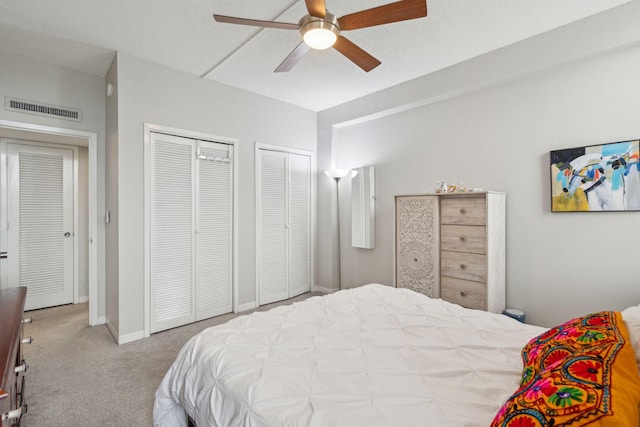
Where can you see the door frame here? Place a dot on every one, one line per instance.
(312, 229)
(148, 129)
(49, 134)
(76, 252)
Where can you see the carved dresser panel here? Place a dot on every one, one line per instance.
(452, 245)
(417, 251)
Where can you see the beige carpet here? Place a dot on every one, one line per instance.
(79, 376)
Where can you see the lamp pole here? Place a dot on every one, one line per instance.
(338, 230)
(337, 175)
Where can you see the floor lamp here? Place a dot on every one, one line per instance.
(337, 175)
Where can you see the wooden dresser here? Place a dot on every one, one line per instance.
(452, 246)
(12, 364)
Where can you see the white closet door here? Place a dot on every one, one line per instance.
(172, 229)
(272, 226)
(299, 224)
(40, 209)
(213, 230)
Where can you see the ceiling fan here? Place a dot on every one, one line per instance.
(321, 30)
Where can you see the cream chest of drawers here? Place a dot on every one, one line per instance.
(452, 246)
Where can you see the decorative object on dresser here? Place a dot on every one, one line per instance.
(12, 364)
(452, 245)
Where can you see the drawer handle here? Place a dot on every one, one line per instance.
(27, 340)
(27, 320)
(415, 260)
(463, 267)
(12, 415)
(21, 368)
(463, 293)
(463, 211)
(462, 238)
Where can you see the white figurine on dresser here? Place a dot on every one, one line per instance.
(452, 245)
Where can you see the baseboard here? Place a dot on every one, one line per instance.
(246, 306)
(133, 336)
(112, 330)
(324, 290)
(101, 321)
(127, 338)
(82, 300)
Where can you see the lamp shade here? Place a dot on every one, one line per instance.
(337, 173)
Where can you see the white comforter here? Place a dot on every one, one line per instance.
(370, 356)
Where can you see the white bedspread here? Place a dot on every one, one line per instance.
(370, 356)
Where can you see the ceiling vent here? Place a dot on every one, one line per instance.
(40, 109)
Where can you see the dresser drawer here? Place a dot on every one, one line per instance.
(464, 238)
(463, 210)
(464, 292)
(464, 266)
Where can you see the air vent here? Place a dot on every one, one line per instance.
(40, 109)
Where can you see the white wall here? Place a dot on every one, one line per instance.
(149, 93)
(36, 81)
(498, 136)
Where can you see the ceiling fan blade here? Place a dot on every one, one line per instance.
(316, 8)
(255, 22)
(355, 54)
(293, 58)
(385, 14)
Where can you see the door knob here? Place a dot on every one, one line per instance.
(67, 234)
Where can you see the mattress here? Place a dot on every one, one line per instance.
(369, 356)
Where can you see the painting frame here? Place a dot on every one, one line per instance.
(596, 178)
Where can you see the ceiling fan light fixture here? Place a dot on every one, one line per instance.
(319, 38)
(321, 30)
(319, 33)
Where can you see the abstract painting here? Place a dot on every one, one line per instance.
(596, 178)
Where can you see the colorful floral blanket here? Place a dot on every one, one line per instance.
(576, 374)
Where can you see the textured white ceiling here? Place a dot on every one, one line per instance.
(181, 34)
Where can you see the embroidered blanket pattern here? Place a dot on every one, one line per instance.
(567, 375)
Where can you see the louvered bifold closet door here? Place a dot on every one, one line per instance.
(172, 229)
(272, 226)
(213, 230)
(299, 224)
(40, 238)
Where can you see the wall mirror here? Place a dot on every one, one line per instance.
(362, 207)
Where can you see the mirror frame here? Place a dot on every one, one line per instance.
(363, 205)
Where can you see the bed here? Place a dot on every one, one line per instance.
(369, 356)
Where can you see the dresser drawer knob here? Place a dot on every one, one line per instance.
(27, 340)
(463, 293)
(27, 320)
(21, 368)
(12, 415)
(462, 238)
(463, 211)
(463, 267)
